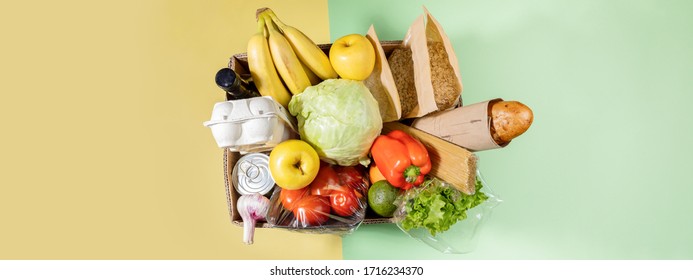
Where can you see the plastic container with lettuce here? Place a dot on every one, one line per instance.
(444, 218)
(339, 118)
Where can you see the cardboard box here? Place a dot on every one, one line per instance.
(239, 64)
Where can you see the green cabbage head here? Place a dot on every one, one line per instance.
(339, 118)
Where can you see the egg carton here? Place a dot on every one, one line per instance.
(250, 125)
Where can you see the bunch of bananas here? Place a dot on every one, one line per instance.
(283, 61)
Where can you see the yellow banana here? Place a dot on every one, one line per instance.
(306, 50)
(285, 60)
(262, 68)
(314, 79)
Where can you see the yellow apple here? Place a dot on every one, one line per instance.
(293, 164)
(353, 57)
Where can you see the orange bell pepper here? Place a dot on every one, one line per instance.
(402, 159)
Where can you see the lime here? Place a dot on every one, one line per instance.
(381, 198)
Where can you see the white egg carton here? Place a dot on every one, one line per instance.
(250, 125)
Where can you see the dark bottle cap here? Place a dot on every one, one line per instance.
(233, 85)
(226, 78)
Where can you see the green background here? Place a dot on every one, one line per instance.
(604, 171)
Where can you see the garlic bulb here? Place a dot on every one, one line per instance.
(252, 208)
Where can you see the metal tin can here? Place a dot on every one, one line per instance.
(251, 174)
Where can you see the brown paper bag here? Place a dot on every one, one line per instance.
(402, 67)
(436, 76)
(381, 84)
(468, 126)
(445, 71)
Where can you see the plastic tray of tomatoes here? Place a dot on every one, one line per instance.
(335, 202)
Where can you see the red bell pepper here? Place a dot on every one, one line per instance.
(402, 159)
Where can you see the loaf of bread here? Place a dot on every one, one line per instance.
(509, 119)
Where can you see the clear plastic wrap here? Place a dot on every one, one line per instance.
(335, 202)
(443, 217)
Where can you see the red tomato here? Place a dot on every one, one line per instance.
(290, 198)
(325, 181)
(354, 177)
(312, 210)
(343, 188)
(344, 203)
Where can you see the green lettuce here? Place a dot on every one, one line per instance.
(339, 118)
(437, 206)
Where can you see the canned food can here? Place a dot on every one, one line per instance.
(251, 174)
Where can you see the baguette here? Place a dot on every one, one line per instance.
(509, 119)
(481, 126)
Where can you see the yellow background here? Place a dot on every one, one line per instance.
(104, 155)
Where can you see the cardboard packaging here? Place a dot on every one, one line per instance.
(250, 125)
